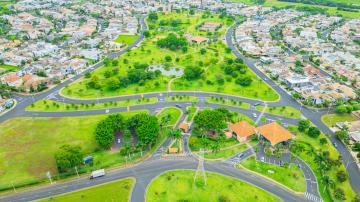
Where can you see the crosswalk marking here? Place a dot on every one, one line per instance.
(313, 197)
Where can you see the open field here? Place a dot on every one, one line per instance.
(211, 61)
(179, 186)
(331, 119)
(311, 146)
(117, 191)
(54, 106)
(284, 111)
(232, 103)
(126, 39)
(27, 146)
(291, 177)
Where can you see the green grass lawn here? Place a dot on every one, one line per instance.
(126, 39)
(184, 98)
(284, 111)
(330, 10)
(53, 106)
(117, 191)
(331, 119)
(212, 62)
(226, 153)
(291, 177)
(179, 186)
(242, 117)
(27, 146)
(312, 145)
(174, 113)
(191, 112)
(228, 102)
(196, 144)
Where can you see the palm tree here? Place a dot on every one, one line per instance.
(327, 182)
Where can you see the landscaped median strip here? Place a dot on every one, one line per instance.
(228, 102)
(181, 98)
(54, 106)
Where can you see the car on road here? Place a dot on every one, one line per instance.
(97, 173)
(241, 155)
(254, 115)
(178, 106)
(262, 159)
(335, 145)
(257, 104)
(119, 141)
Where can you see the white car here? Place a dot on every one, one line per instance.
(119, 140)
(255, 115)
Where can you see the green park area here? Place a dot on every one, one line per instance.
(284, 111)
(228, 102)
(176, 55)
(126, 39)
(34, 142)
(313, 5)
(290, 176)
(331, 119)
(323, 158)
(226, 152)
(180, 186)
(118, 191)
(55, 106)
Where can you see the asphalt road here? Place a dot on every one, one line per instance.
(150, 169)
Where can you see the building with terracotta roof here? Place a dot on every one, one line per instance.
(199, 39)
(184, 127)
(356, 114)
(274, 133)
(242, 130)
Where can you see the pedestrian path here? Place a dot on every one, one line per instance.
(313, 197)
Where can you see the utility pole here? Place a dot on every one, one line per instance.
(48, 174)
(200, 171)
(77, 173)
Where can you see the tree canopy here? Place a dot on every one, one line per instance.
(146, 128)
(192, 73)
(68, 157)
(210, 120)
(172, 42)
(104, 131)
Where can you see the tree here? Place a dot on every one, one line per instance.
(341, 176)
(339, 194)
(323, 141)
(113, 83)
(153, 16)
(313, 132)
(176, 134)
(68, 157)
(172, 42)
(202, 51)
(303, 125)
(146, 128)
(192, 73)
(342, 135)
(210, 121)
(147, 34)
(245, 81)
(356, 147)
(105, 129)
(259, 2)
(341, 109)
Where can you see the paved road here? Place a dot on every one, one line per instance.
(147, 171)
